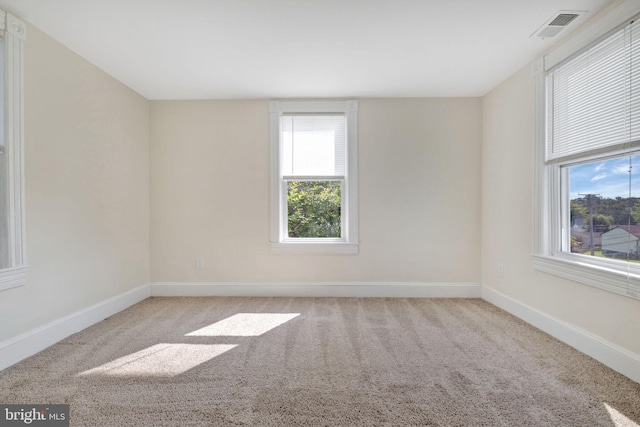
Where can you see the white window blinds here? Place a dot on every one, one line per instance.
(594, 97)
(313, 145)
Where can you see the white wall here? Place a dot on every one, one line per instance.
(419, 184)
(507, 224)
(87, 188)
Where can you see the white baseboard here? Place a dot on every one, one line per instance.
(324, 289)
(609, 354)
(15, 349)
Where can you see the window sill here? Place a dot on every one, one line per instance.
(610, 277)
(13, 277)
(331, 248)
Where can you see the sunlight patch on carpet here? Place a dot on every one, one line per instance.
(161, 360)
(618, 418)
(244, 325)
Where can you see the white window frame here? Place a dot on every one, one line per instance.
(615, 276)
(14, 38)
(348, 242)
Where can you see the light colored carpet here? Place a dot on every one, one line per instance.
(321, 362)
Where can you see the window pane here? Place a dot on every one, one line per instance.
(313, 145)
(314, 208)
(605, 208)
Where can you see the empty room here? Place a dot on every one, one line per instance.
(320, 213)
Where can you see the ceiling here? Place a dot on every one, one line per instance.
(234, 49)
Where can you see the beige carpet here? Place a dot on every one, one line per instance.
(321, 362)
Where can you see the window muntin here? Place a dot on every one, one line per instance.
(314, 177)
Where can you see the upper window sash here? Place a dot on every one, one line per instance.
(593, 102)
(313, 145)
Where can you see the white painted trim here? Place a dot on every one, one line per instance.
(316, 289)
(15, 349)
(275, 201)
(313, 106)
(594, 273)
(14, 37)
(13, 277)
(14, 136)
(314, 248)
(609, 354)
(540, 184)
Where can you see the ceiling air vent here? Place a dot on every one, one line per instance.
(557, 23)
(563, 19)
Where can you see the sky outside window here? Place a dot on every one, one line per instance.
(608, 178)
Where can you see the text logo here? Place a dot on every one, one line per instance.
(34, 415)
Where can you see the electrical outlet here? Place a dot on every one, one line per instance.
(500, 270)
(199, 263)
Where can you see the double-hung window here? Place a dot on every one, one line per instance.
(314, 177)
(589, 171)
(13, 262)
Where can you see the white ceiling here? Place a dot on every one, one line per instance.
(223, 49)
